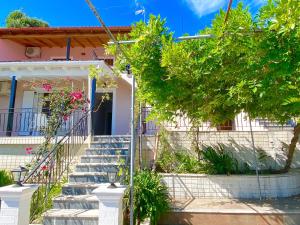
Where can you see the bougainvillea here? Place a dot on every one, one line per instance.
(62, 102)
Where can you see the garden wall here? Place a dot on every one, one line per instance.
(189, 186)
(273, 143)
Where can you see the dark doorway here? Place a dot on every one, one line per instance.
(102, 114)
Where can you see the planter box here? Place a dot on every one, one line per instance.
(188, 186)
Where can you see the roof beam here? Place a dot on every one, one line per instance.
(52, 42)
(101, 41)
(42, 43)
(20, 36)
(90, 42)
(79, 43)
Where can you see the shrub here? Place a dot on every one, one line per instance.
(218, 161)
(5, 178)
(151, 198)
(179, 161)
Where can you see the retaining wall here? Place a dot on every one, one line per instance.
(189, 186)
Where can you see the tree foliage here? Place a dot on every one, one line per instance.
(19, 19)
(251, 64)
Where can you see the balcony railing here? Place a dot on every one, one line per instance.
(240, 123)
(31, 121)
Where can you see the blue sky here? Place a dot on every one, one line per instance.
(183, 16)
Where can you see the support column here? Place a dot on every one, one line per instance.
(110, 205)
(15, 204)
(11, 107)
(91, 90)
(68, 49)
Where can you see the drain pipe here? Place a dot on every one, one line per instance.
(255, 159)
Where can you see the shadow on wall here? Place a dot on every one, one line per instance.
(271, 147)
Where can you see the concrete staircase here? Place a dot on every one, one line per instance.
(77, 205)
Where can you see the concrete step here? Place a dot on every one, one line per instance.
(218, 211)
(102, 158)
(71, 217)
(106, 151)
(79, 188)
(117, 144)
(76, 202)
(88, 177)
(96, 167)
(111, 138)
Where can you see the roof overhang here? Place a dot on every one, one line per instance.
(50, 69)
(57, 36)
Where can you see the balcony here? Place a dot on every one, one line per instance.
(28, 122)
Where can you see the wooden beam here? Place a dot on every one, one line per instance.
(42, 43)
(79, 43)
(90, 42)
(101, 41)
(53, 42)
(22, 42)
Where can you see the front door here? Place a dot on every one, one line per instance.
(102, 114)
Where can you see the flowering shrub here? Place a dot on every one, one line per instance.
(61, 103)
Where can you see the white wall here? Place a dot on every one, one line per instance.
(123, 105)
(274, 143)
(189, 186)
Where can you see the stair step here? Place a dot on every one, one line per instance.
(79, 188)
(96, 167)
(111, 138)
(88, 177)
(106, 151)
(102, 158)
(76, 202)
(77, 205)
(117, 144)
(71, 217)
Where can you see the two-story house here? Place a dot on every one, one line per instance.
(50, 55)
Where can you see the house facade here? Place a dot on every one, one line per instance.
(61, 56)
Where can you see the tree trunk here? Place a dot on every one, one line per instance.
(292, 148)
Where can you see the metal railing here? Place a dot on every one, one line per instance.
(31, 121)
(240, 123)
(49, 171)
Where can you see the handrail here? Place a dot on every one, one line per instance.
(49, 170)
(55, 147)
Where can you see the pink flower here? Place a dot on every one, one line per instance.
(76, 95)
(28, 150)
(65, 117)
(47, 87)
(44, 168)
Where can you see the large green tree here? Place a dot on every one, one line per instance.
(250, 65)
(19, 19)
(275, 71)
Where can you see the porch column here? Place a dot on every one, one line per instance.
(11, 107)
(92, 90)
(94, 86)
(68, 49)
